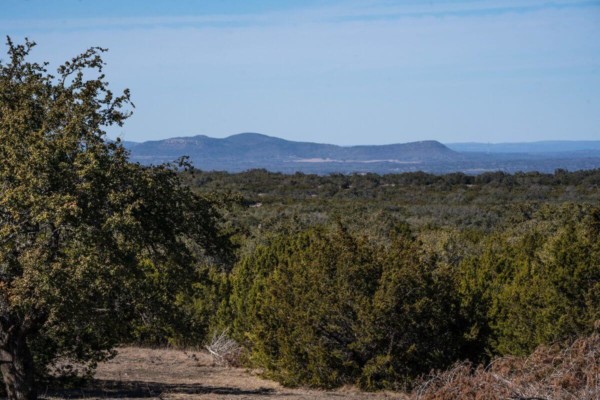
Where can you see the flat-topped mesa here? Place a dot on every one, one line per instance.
(427, 150)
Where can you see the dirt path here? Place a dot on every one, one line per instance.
(172, 374)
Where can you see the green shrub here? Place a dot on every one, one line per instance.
(325, 308)
(537, 286)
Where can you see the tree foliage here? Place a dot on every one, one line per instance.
(326, 308)
(89, 241)
(513, 260)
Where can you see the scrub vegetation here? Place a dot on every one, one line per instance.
(377, 280)
(366, 280)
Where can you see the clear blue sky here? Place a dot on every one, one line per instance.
(344, 72)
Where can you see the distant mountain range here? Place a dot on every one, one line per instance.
(551, 146)
(253, 150)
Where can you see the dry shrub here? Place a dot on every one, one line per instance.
(225, 351)
(550, 373)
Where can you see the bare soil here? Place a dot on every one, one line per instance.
(138, 373)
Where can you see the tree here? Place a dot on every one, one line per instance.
(327, 308)
(85, 235)
(564, 268)
(534, 284)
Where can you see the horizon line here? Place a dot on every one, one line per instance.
(355, 145)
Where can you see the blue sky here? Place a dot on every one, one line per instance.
(345, 72)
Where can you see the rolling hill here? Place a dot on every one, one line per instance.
(253, 150)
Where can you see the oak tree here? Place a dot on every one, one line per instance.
(85, 234)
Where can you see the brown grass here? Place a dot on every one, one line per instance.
(139, 373)
(550, 373)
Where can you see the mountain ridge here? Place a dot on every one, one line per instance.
(251, 150)
(259, 146)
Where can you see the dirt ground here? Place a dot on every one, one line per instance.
(138, 373)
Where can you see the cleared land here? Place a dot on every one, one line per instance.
(138, 373)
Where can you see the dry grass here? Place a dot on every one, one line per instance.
(138, 373)
(550, 373)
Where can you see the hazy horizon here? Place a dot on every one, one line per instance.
(340, 72)
(363, 144)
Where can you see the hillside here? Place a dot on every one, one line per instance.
(253, 150)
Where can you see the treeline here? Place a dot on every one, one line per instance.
(300, 185)
(481, 202)
(334, 289)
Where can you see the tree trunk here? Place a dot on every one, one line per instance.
(16, 365)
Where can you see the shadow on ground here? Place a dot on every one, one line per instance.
(134, 389)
